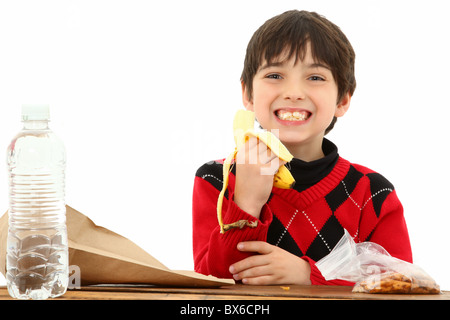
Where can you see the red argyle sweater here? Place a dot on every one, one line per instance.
(307, 223)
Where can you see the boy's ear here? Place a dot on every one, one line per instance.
(343, 105)
(248, 103)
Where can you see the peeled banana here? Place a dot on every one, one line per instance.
(243, 128)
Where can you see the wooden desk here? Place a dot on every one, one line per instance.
(232, 292)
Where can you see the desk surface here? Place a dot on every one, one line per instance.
(232, 292)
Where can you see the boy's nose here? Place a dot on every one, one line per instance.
(294, 92)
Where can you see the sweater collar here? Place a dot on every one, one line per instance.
(307, 174)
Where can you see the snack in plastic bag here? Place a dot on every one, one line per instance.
(373, 269)
(396, 283)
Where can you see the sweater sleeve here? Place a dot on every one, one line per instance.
(317, 278)
(215, 252)
(390, 230)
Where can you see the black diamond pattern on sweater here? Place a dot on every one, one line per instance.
(338, 196)
(277, 235)
(378, 184)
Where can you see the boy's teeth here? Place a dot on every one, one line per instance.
(292, 116)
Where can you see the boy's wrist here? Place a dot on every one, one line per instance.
(249, 207)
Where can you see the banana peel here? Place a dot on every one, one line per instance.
(243, 129)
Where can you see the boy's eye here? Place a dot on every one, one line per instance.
(316, 78)
(274, 76)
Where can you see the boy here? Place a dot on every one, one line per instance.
(298, 78)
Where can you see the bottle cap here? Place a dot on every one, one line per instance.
(35, 112)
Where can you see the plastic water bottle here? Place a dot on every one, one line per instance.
(37, 251)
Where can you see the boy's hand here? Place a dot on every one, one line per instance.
(272, 265)
(256, 165)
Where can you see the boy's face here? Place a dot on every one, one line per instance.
(299, 98)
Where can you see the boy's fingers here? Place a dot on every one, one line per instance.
(261, 247)
(252, 261)
(265, 154)
(256, 271)
(259, 281)
(252, 141)
(271, 167)
(256, 152)
(248, 263)
(248, 152)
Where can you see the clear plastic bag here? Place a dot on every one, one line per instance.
(373, 269)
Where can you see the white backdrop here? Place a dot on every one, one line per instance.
(144, 92)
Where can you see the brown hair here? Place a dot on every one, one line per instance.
(292, 31)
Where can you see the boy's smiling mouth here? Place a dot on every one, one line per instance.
(294, 115)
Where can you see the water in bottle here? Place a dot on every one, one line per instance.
(37, 251)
